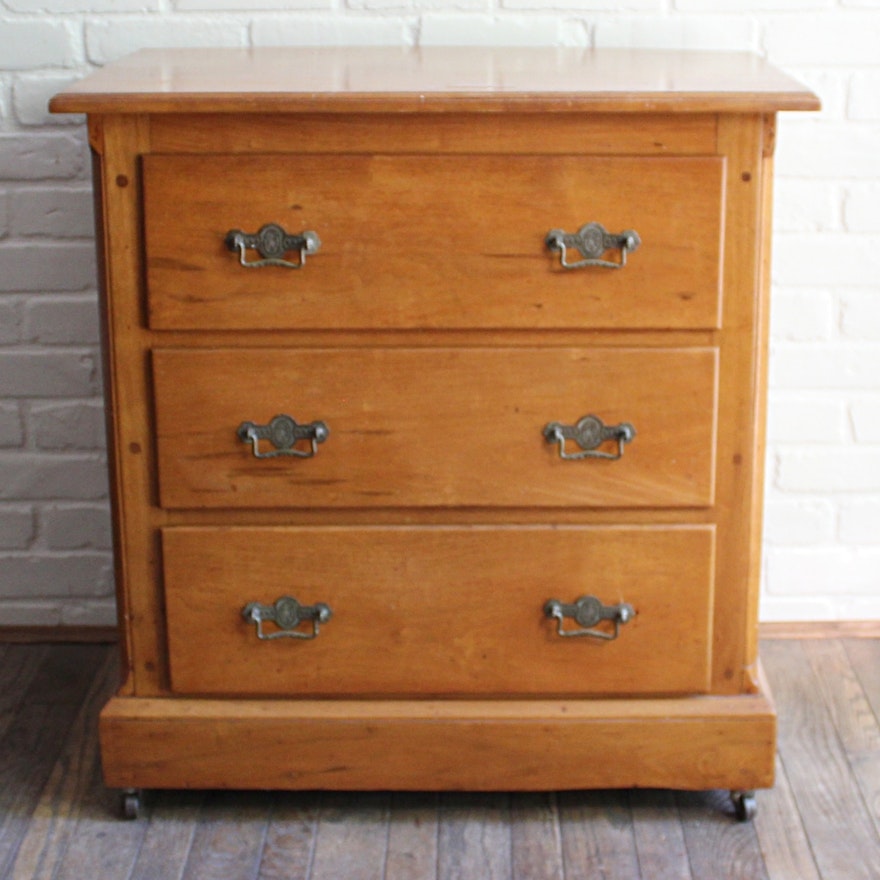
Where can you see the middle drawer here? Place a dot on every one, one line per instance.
(431, 427)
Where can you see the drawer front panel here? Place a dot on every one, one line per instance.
(432, 241)
(435, 427)
(438, 611)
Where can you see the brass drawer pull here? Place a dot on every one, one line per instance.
(287, 614)
(590, 433)
(271, 242)
(283, 432)
(591, 241)
(587, 612)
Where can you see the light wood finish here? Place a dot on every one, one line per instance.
(436, 336)
(56, 818)
(435, 428)
(450, 611)
(402, 237)
(430, 80)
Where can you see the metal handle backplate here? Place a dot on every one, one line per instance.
(588, 612)
(287, 614)
(272, 242)
(283, 432)
(589, 434)
(591, 241)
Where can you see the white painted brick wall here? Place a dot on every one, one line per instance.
(822, 526)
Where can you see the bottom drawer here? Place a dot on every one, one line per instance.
(437, 611)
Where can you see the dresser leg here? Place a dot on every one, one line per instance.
(130, 802)
(745, 805)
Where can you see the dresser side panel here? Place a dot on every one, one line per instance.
(97, 149)
(125, 139)
(762, 325)
(739, 485)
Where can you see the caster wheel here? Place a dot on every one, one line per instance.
(745, 805)
(131, 803)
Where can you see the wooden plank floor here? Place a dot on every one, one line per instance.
(821, 822)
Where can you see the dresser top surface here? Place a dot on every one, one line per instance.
(437, 79)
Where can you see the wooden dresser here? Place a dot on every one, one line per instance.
(435, 388)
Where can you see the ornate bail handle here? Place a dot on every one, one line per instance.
(271, 242)
(591, 241)
(590, 433)
(587, 612)
(283, 432)
(287, 614)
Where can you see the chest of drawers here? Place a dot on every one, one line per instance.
(435, 390)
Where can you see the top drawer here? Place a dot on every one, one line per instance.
(418, 241)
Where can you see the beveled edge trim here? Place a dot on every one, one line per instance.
(391, 102)
(432, 78)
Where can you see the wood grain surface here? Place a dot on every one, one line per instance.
(422, 611)
(690, 742)
(435, 427)
(431, 241)
(434, 79)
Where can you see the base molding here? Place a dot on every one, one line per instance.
(821, 629)
(685, 743)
